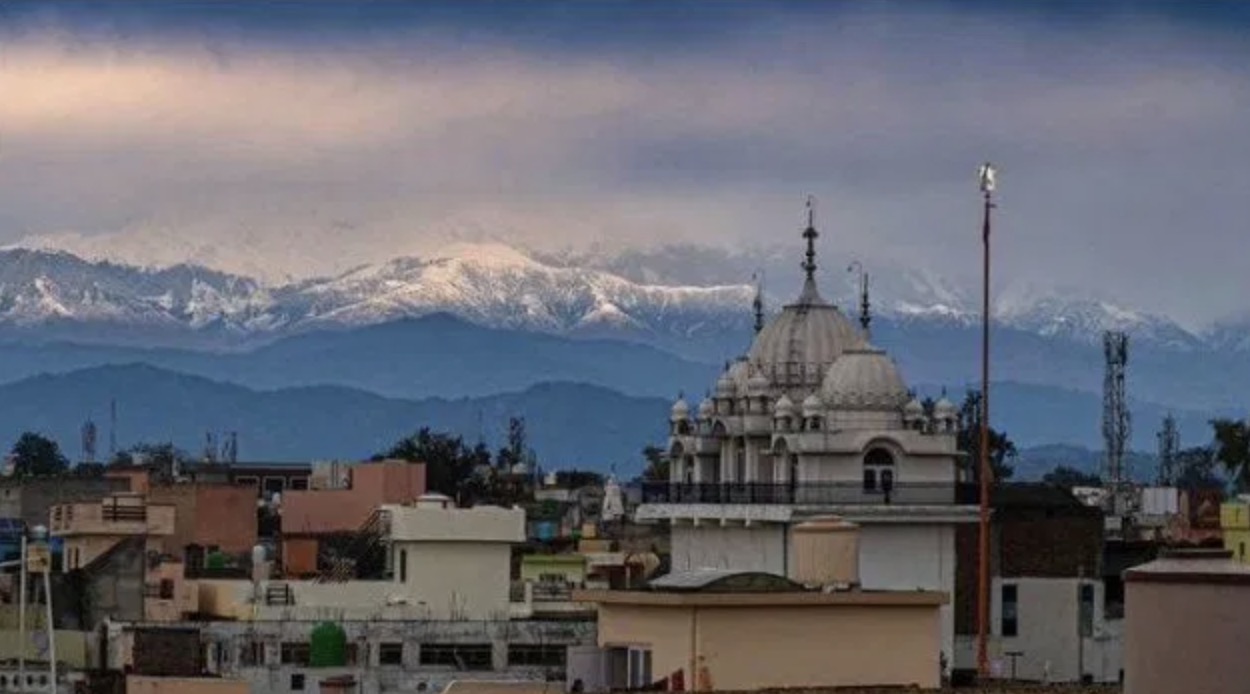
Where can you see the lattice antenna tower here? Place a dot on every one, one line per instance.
(1169, 446)
(1116, 424)
(88, 442)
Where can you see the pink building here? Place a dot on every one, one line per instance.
(310, 514)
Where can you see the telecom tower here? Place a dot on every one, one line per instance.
(1116, 422)
(88, 442)
(1169, 444)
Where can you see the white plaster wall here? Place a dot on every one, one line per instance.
(910, 557)
(1048, 610)
(761, 547)
(457, 580)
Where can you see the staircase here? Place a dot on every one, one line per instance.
(372, 534)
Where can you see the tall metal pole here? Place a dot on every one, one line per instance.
(47, 597)
(983, 575)
(21, 620)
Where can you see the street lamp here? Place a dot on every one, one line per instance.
(987, 177)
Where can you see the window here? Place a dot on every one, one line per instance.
(463, 656)
(391, 654)
(403, 566)
(297, 681)
(167, 589)
(295, 654)
(878, 471)
(246, 480)
(299, 483)
(639, 668)
(1087, 609)
(537, 655)
(1009, 626)
(253, 654)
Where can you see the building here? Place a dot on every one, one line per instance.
(1187, 620)
(439, 562)
(208, 518)
(1235, 528)
(88, 529)
(716, 629)
(1049, 620)
(347, 497)
(814, 420)
(30, 499)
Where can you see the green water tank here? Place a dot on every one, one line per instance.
(215, 560)
(327, 646)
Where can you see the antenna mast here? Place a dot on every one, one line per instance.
(1116, 422)
(1169, 445)
(112, 428)
(88, 442)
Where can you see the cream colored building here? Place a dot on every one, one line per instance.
(815, 420)
(1186, 624)
(92, 528)
(711, 629)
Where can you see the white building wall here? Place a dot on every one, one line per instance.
(910, 557)
(1047, 631)
(760, 547)
(456, 580)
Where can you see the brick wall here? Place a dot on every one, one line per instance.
(168, 652)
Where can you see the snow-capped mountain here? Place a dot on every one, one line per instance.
(674, 293)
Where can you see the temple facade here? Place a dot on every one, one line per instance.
(815, 420)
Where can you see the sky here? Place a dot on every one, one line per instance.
(292, 139)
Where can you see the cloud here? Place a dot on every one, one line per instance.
(1122, 145)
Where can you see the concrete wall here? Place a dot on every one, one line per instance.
(1186, 637)
(478, 524)
(317, 511)
(30, 499)
(187, 685)
(899, 556)
(738, 648)
(209, 515)
(1048, 610)
(71, 646)
(457, 580)
(761, 547)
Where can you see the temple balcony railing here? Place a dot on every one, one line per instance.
(807, 493)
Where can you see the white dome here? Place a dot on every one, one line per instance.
(865, 379)
(945, 409)
(725, 386)
(812, 406)
(706, 408)
(784, 406)
(680, 410)
(796, 347)
(914, 409)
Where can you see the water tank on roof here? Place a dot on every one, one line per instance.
(433, 500)
(826, 552)
(327, 646)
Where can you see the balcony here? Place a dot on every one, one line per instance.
(808, 493)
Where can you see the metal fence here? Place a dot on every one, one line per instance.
(808, 493)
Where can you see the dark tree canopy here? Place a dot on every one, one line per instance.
(35, 454)
(1068, 477)
(1196, 469)
(968, 440)
(657, 464)
(462, 473)
(1232, 450)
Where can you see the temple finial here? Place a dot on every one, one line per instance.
(810, 233)
(758, 303)
(865, 312)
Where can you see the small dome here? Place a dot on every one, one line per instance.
(680, 410)
(725, 386)
(914, 409)
(706, 408)
(945, 409)
(812, 406)
(757, 385)
(864, 379)
(784, 407)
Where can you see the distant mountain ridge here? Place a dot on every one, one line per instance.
(924, 320)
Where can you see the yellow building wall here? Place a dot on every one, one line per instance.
(185, 685)
(71, 646)
(747, 648)
(571, 566)
(1235, 524)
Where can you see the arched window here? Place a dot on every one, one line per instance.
(878, 471)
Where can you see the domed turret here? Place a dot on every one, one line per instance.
(945, 414)
(865, 379)
(757, 385)
(813, 406)
(913, 409)
(706, 409)
(784, 407)
(725, 386)
(680, 410)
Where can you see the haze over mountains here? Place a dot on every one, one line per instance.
(643, 324)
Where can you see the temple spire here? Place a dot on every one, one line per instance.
(810, 294)
(758, 303)
(865, 312)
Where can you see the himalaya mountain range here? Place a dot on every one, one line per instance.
(483, 320)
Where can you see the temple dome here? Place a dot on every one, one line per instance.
(864, 379)
(796, 347)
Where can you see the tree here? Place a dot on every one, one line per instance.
(1068, 477)
(1232, 450)
(449, 464)
(968, 441)
(35, 454)
(574, 479)
(657, 464)
(1196, 469)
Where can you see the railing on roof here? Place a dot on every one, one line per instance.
(807, 493)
